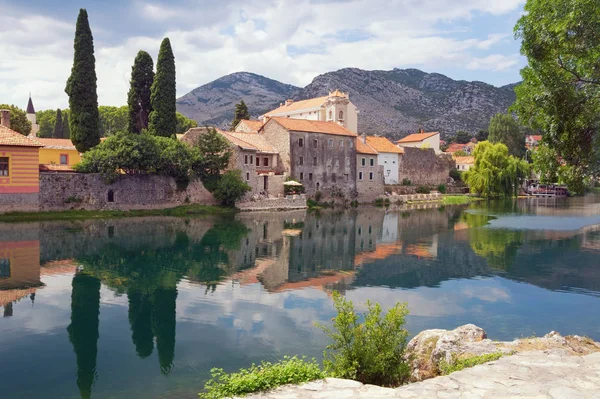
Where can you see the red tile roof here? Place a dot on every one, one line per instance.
(252, 124)
(303, 125)
(55, 168)
(362, 148)
(12, 138)
(416, 137)
(459, 147)
(60, 144)
(309, 104)
(382, 144)
(465, 160)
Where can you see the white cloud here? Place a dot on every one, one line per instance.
(254, 36)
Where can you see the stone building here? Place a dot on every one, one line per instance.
(388, 157)
(369, 174)
(248, 126)
(335, 107)
(422, 140)
(320, 155)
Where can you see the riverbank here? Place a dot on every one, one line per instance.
(183, 210)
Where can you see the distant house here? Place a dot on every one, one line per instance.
(422, 140)
(532, 141)
(464, 163)
(388, 156)
(248, 126)
(19, 167)
(58, 152)
(335, 107)
(369, 173)
(466, 148)
(321, 155)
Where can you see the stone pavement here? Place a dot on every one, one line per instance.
(527, 375)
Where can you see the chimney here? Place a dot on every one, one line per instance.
(363, 138)
(421, 130)
(5, 120)
(288, 102)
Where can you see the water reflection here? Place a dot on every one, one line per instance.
(229, 291)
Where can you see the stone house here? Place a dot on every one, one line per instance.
(320, 155)
(19, 168)
(421, 140)
(248, 126)
(388, 157)
(464, 163)
(369, 174)
(335, 107)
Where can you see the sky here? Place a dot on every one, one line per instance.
(292, 41)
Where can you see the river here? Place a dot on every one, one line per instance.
(145, 307)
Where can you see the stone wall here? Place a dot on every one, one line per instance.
(424, 167)
(19, 202)
(295, 202)
(63, 191)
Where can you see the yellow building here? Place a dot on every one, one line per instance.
(58, 152)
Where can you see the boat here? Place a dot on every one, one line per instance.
(536, 189)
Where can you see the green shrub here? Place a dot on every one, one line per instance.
(379, 202)
(311, 203)
(459, 364)
(370, 352)
(290, 370)
(386, 202)
(406, 182)
(231, 187)
(442, 188)
(73, 200)
(455, 174)
(423, 190)
(354, 204)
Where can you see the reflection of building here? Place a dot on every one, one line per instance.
(19, 264)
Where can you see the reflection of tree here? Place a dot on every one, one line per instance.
(163, 326)
(140, 320)
(83, 330)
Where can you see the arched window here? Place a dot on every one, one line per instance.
(330, 114)
(110, 196)
(341, 116)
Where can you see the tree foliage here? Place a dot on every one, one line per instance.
(495, 172)
(231, 188)
(240, 113)
(138, 99)
(59, 129)
(184, 123)
(560, 93)
(112, 120)
(482, 135)
(505, 129)
(18, 119)
(463, 137)
(81, 88)
(163, 118)
(215, 152)
(46, 120)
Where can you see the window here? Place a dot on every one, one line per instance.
(346, 177)
(245, 159)
(359, 230)
(310, 176)
(301, 176)
(315, 143)
(333, 177)
(371, 162)
(301, 160)
(314, 161)
(4, 166)
(359, 175)
(370, 175)
(363, 161)
(330, 114)
(330, 143)
(251, 159)
(247, 176)
(4, 268)
(257, 161)
(341, 115)
(64, 159)
(341, 143)
(300, 142)
(266, 161)
(388, 172)
(110, 197)
(351, 143)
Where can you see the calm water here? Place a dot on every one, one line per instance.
(146, 307)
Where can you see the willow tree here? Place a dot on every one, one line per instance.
(495, 173)
(560, 92)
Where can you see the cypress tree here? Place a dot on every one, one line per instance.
(81, 88)
(138, 99)
(163, 118)
(58, 132)
(241, 112)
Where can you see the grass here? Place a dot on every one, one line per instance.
(290, 370)
(184, 210)
(460, 364)
(459, 199)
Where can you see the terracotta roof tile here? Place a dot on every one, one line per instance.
(59, 144)
(55, 168)
(251, 124)
(12, 138)
(465, 160)
(416, 137)
(303, 125)
(256, 140)
(297, 106)
(382, 144)
(362, 148)
(236, 141)
(459, 147)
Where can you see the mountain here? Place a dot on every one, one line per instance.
(391, 103)
(214, 102)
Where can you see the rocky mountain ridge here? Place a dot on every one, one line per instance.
(391, 103)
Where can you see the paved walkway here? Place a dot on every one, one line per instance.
(529, 375)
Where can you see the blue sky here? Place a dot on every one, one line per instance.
(289, 40)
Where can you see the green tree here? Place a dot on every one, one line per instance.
(495, 172)
(505, 129)
(560, 92)
(18, 119)
(112, 120)
(81, 88)
(215, 153)
(482, 135)
(46, 120)
(58, 132)
(463, 137)
(163, 118)
(184, 123)
(231, 188)
(241, 112)
(545, 163)
(138, 99)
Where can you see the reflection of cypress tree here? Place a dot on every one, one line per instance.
(140, 320)
(83, 330)
(163, 326)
